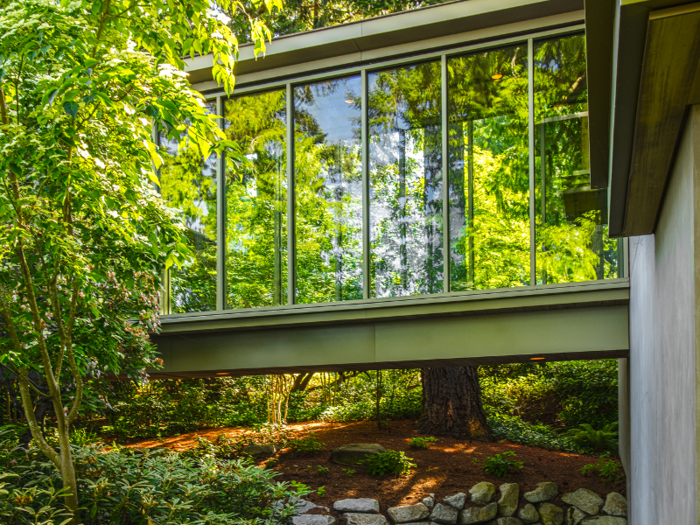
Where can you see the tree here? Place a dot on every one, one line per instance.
(452, 404)
(84, 235)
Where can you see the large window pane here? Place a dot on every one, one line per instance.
(256, 201)
(188, 183)
(489, 169)
(405, 181)
(572, 232)
(328, 186)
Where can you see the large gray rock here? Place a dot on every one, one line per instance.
(546, 491)
(302, 506)
(551, 514)
(604, 520)
(354, 453)
(585, 500)
(529, 514)
(364, 505)
(356, 518)
(444, 514)
(615, 505)
(259, 451)
(314, 519)
(573, 516)
(474, 515)
(506, 521)
(508, 503)
(482, 493)
(408, 513)
(456, 500)
(429, 501)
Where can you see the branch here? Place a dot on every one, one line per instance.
(28, 406)
(3, 108)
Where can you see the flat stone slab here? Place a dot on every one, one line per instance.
(408, 513)
(585, 500)
(259, 451)
(361, 505)
(357, 518)
(314, 519)
(475, 515)
(354, 453)
(546, 491)
(444, 514)
(615, 505)
(482, 493)
(456, 500)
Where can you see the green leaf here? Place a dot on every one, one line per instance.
(71, 107)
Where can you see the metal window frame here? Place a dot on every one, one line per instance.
(363, 70)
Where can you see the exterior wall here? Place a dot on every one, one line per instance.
(662, 470)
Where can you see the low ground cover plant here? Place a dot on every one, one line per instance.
(605, 438)
(421, 442)
(389, 462)
(501, 466)
(307, 445)
(607, 469)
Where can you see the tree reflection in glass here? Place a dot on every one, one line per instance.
(405, 181)
(328, 191)
(256, 201)
(489, 169)
(572, 241)
(188, 183)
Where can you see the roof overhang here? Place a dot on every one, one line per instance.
(642, 78)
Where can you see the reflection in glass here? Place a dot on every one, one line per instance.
(328, 191)
(489, 169)
(188, 183)
(256, 201)
(572, 241)
(405, 181)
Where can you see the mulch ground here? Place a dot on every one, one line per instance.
(447, 467)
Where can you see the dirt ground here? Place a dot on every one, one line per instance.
(447, 467)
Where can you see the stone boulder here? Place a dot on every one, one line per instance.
(529, 514)
(314, 519)
(429, 501)
(551, 514)
(408, 513)
(573, 516)
(506, 521)
(604, 520)
(546, 491)
(615, 505)
(585, 500)
(302, 506)
(474, 515)
(508, 502)
(259, 451)
(356, 518)
(361, 505)
(456, 500)
(444, 514)
(354, 453)
(482, 493)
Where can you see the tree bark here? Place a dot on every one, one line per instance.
(452, 404)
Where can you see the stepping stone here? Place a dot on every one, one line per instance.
(354, 453)
(529, 514)
(355, 518)
(585, 500)
(314, 519)
(259, 451)
(508, 503)
(615, 505)
(482, 493)
(444, 514)
(474, 515)
(362, 505)
(546, 491)
(551, 514)
(456, 500)
(408, 513)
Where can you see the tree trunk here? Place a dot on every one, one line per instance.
(452, 404)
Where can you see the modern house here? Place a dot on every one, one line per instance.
(483, 181)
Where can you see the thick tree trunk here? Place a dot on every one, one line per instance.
(452, 404)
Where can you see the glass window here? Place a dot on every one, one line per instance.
(188, 183)
(256, 201)
(488, 152)
(572, 241)
(328, 191)
(405, 148)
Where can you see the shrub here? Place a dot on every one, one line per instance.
(598, 440)
(518, 431)
(322, 471)
(607, 469)
(307, 445)
(501, 466)
(421, 442)
(349, 472)
(144, 488)
(389, 462)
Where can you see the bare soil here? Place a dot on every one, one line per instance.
(447, 467)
